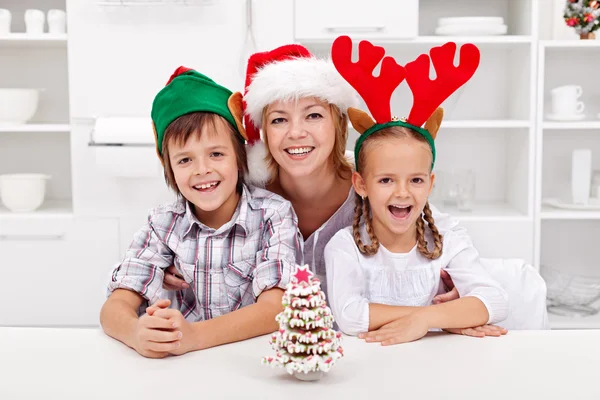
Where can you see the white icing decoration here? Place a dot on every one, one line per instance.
(305, 341)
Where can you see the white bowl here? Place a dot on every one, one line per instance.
(23, 192)
(18, 106)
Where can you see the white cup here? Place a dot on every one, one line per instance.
(5, 21)
(57, 21)
(564, 100)
(34, 21)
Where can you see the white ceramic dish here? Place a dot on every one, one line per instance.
(471, 30)
(594, 204)
(18, 106)
(470, 20)
(571, 117)
(23, 192)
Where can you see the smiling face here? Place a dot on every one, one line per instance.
(205, 170)
(396, 178)
(301, 135)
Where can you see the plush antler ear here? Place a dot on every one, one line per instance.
(429, 94)
(235, 103)
(360, 120)
(434, 122)
(375, 91)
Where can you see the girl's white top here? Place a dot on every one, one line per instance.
(314, 245)
(409, 279)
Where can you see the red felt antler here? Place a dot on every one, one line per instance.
(375, 91)
(430, 94)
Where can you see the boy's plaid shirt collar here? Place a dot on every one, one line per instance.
(239, 216)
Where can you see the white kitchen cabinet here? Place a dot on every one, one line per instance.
(59, 281)
(377, 19)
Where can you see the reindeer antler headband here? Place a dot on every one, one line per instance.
(428, 94)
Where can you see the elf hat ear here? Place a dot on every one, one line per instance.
(235, 105)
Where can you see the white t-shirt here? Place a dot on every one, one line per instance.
(409, 279)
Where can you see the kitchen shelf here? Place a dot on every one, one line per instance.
(500, 40)
(562, 322)
(50, 209)
(570, 44)
(51, 220)
(35, 128)
(589, 124)
(486, 212)
(554, 213)
(26, 40)
(491, 124)
(481, 124)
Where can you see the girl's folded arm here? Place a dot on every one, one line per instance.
(346, 283)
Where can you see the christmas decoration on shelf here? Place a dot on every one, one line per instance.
(306, 344)
(584, 16)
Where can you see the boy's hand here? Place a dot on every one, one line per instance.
(155, 337)
(406, 329)
(174, 281)
(184, 328)
(480, 331)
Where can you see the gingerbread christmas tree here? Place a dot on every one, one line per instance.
(306, 344)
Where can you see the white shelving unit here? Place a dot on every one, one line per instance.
(565, 238)
(42, 145)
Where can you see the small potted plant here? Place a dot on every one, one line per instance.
(583, 15)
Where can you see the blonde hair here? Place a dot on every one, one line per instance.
(180, 130)
(362, 208)
(338, 154)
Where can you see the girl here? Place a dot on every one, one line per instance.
(235, 246)
(383, 271)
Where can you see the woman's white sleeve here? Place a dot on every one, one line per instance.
(471, 278)
(346, 284)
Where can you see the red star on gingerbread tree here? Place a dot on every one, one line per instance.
(303, 274)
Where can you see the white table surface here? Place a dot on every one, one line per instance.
(43, 363)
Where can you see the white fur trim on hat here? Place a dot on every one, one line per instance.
(258, 173)
(294, 79)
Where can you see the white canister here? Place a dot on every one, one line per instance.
(5, 21)
(57, 21)
(34, 21)
(581, 176)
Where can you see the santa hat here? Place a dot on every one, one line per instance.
(286, 73)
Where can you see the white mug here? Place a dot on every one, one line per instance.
(34, 21)
(5, 21)
(564, 100)
(569, 90)
(57, 21)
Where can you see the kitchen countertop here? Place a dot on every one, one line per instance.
(63, 363)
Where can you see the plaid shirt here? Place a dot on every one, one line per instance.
(226, 268)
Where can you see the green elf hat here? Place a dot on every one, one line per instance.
(428, 94)
(189, 91)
